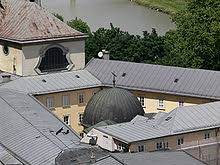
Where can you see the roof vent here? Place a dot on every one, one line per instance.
(1, 6)
(77, 76)
(168, 118)
(124, 74)
(6, 78)
(44, 80)
(176, 80)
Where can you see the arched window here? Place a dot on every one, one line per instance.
(54, 59)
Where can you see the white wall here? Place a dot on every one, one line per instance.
(13, 58)
(103, 140)
(31, 55)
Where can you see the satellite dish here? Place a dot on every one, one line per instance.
(100, 54)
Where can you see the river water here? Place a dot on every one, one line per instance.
(122, 13)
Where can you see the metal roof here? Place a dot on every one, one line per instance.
(23, 21)
(29, 131)
(158, 78)
(12, 76)
(180, 120)
(54, 82)
(152, 158)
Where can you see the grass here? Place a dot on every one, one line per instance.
(167, 6)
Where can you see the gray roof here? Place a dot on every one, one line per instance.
(155, 158)
(54, 82)
(23, 21)
(28, 130)
(180, 120)
(12, 76)
(158, 78)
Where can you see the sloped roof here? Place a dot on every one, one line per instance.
(28, 130)
(180, 120)
(54, 82)
(23, 21)
(158, 78)
(151, 158)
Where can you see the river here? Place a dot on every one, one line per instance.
(122, 13)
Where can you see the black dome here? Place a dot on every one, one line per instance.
(114, 104)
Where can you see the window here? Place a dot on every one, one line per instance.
(81, 98)
(6, 50)
(161, 104)
(159, 145)
(207, 135)
(80, 118)
(162, 145)
(141, 99)
(53, 59)
(66, 119)
(81, 134)
(50, 102)
(141, 148)
(181, 103)
(66, 101)
(180, 141)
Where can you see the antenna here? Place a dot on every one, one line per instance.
(114, 80)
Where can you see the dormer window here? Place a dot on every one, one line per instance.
(53, 58)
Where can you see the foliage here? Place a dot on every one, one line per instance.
(126, 47)
(196, 42)
(60, 17)
(79, 25)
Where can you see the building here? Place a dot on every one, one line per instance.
(29, 133)
(183, 128)
(159, 88)
(33, 41)
(64, 93)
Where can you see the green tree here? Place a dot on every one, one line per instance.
(79, 25)
(124, 46)
(195, 43)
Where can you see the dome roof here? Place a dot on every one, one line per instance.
(114, 104)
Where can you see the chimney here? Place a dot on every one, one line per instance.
(6, 78)
(106, 55)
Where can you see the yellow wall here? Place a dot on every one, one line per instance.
(170, 101)
(151, 103)
(74, 109)
(190, 139)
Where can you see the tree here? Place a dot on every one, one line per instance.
(124, 46)
(196, 42)
(79, 25)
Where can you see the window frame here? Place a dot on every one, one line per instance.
(42, 52)
(181, 103)
(142, 101)
(80, 118)
(207, 135)
(83, 98)
(180, 141)
(141, 148)
(66, 101)
(161, 104)
(50, 103)
(69, 119)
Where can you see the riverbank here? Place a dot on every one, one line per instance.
(166, 6)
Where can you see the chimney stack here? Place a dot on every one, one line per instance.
(6, 78)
